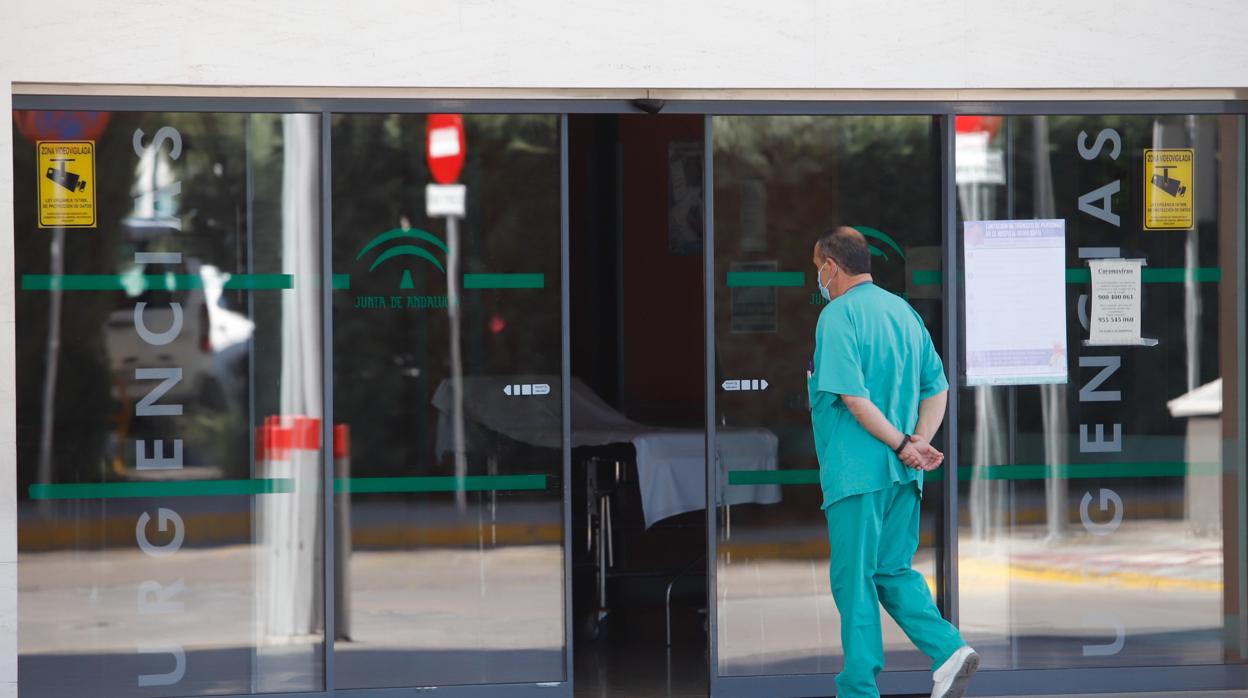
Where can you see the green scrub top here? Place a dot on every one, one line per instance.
(868, 343)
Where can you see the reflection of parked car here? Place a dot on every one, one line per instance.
(210, 348)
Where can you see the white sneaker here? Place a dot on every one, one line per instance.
(951, 678)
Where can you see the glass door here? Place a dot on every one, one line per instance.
(779, 182)
(1101, 517)
(448, 372)
(169, 393)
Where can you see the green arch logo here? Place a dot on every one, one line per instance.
(404, 250)
(882, 245)
(882, 237)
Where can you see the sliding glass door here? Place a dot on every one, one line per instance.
(203, 513)
(1095, 437)
(169, 393)
(447, 374)
(779, 183)
(1101, 517)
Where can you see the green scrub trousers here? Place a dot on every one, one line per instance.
(873, 537)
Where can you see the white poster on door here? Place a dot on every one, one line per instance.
(1015, 302)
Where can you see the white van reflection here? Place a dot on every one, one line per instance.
(210, 349)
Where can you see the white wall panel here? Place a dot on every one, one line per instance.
(642, 43)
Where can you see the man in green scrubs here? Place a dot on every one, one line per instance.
(877, 394)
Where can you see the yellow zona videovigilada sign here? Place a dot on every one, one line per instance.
(66, 184)
(1169, 191)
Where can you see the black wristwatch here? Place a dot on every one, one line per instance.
(905, 439)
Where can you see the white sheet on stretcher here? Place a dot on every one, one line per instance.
(670, 462)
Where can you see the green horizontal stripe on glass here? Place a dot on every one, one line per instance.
(476, 281)
(259, 282)
(182, 488)
(342, 282)
(925, 277)
(1070, 471)
(1177, 275)
(1158, 275)
(753, 279)
(150, 282)
(1078, 471)
(440, 483)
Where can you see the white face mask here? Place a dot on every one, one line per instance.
(823, 290)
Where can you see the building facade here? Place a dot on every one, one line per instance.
(366, 351)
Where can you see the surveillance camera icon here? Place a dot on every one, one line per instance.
(1168, 184)
(63, 177)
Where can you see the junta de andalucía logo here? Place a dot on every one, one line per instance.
(404, 244)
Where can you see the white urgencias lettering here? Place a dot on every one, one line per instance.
(154, 596)
(1099, 204)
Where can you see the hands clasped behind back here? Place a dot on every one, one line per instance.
(921, 455)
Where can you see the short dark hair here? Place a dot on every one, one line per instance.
(848, 248)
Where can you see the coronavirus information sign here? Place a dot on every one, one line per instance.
(1114, 318)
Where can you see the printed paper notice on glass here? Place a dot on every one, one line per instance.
(1015, 302)
(1114, 318)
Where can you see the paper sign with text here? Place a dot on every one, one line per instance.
(1114, 317)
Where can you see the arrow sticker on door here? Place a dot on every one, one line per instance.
(523, 389)
(745, 384)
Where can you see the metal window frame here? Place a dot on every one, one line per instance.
(565, 397)
(328, 542)
(948, 581)
(1241, 448)
(715, 683)
(395, 105)
(999, 682)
